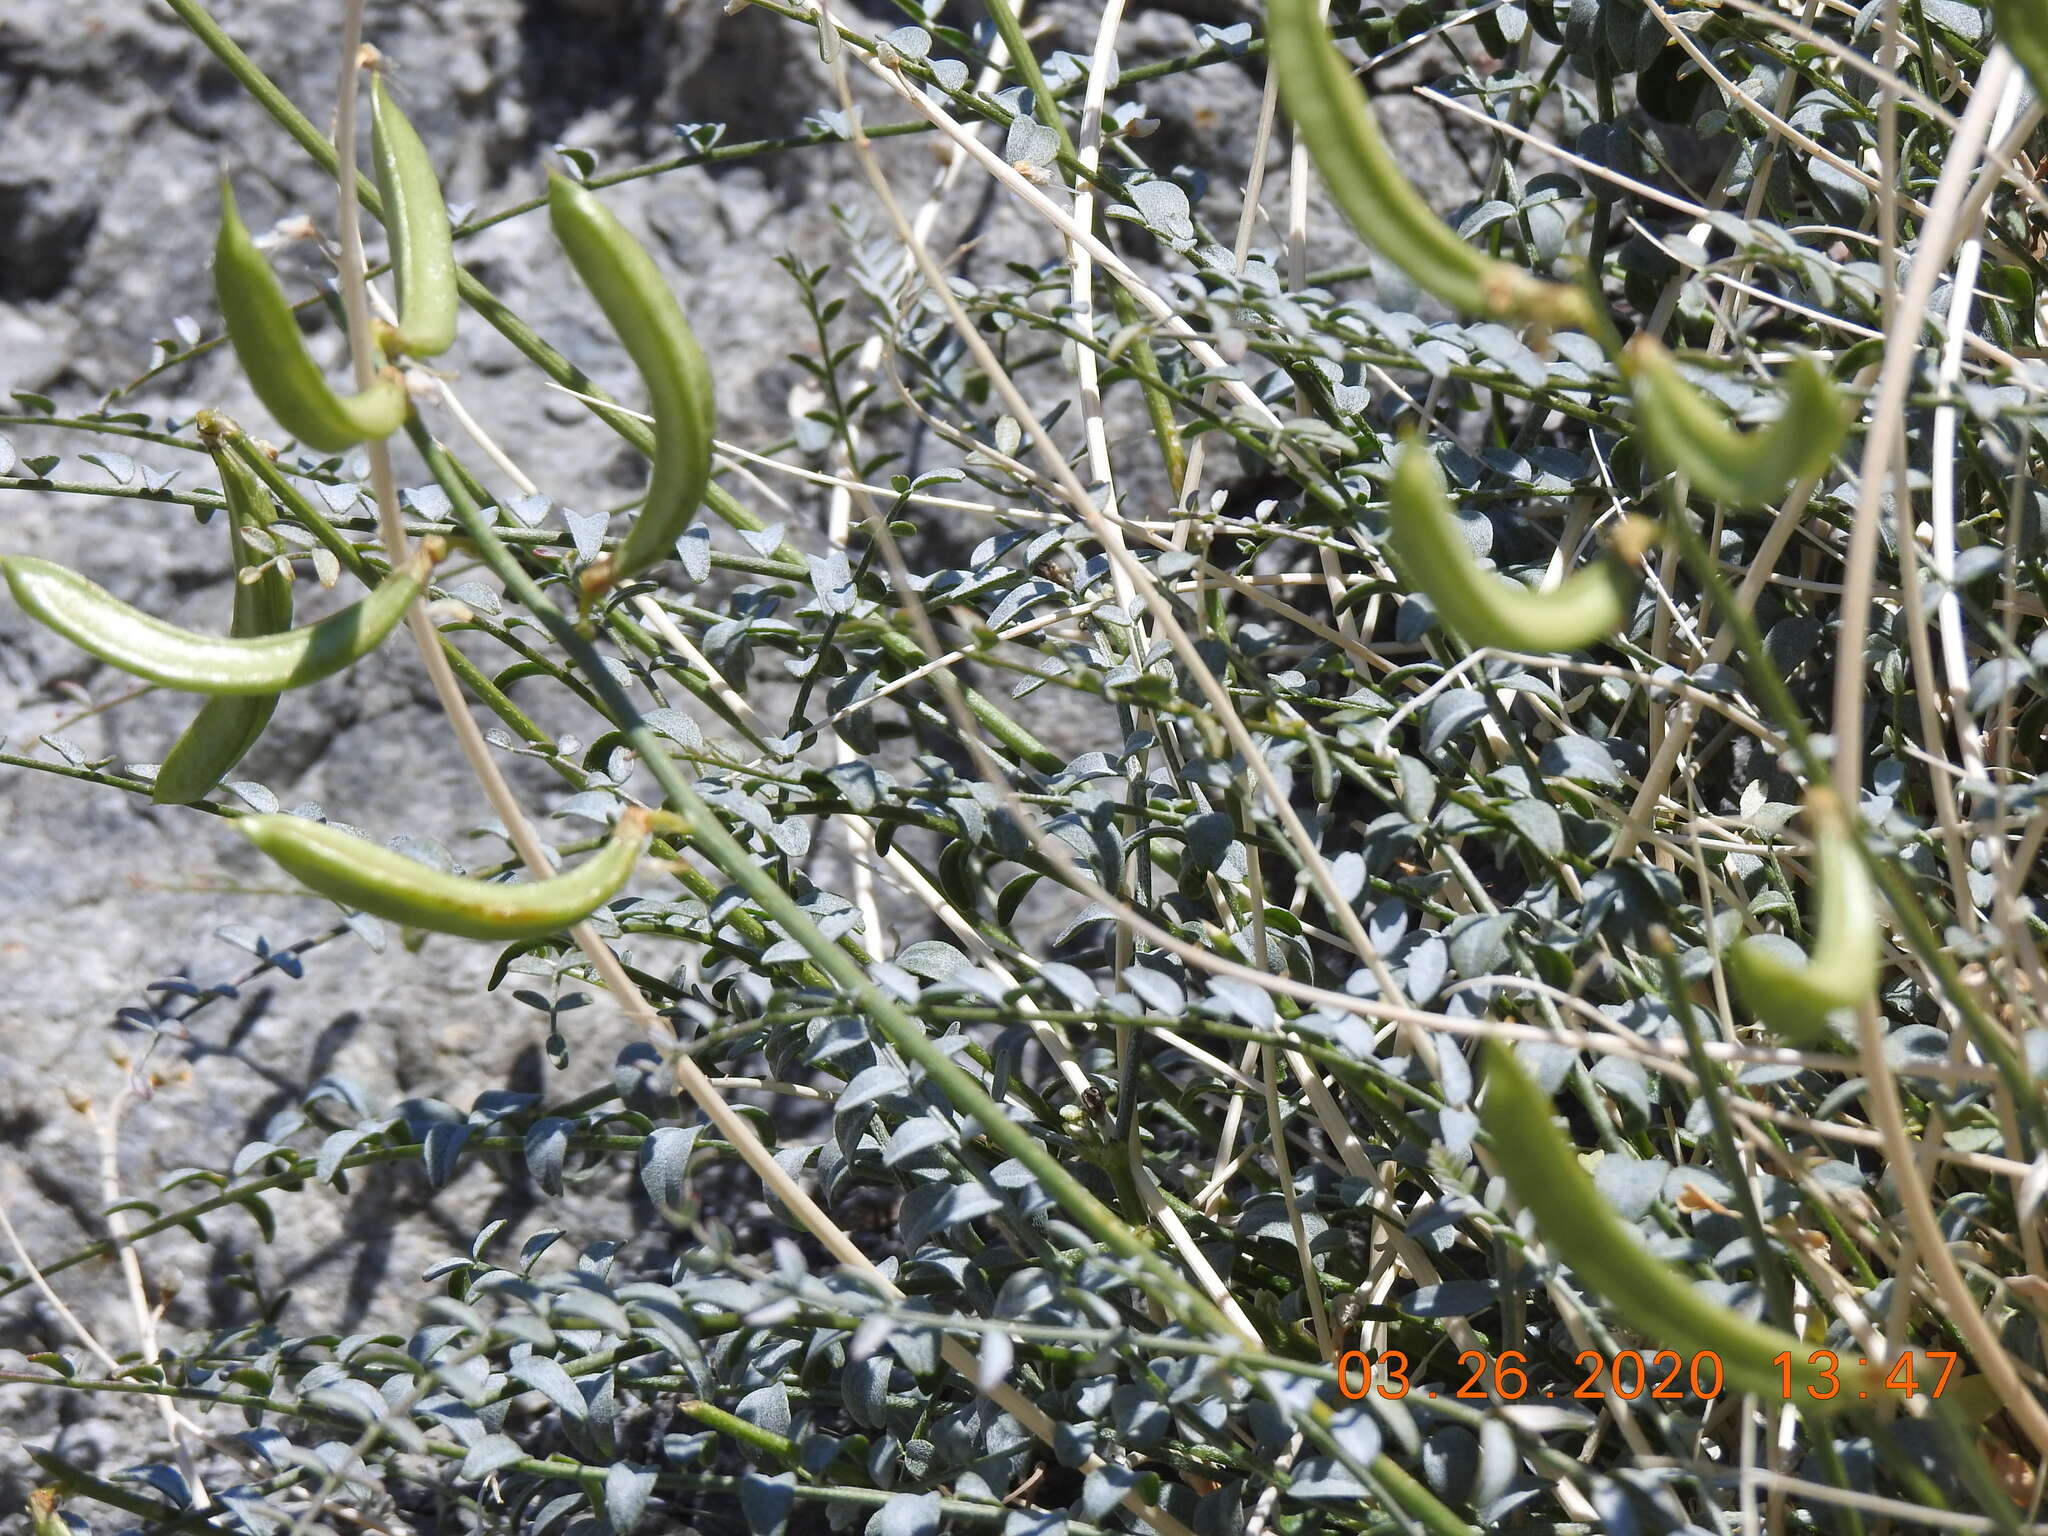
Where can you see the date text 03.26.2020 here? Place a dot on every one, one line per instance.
(1659, 1374)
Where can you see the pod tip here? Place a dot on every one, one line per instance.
(667, 821)
(1640, 351)
(1822, 803)
(1636, 537)
(1510, 293)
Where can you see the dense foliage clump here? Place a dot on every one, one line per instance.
(1158, 1106)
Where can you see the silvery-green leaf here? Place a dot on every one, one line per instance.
(906, 1514)
(1449, 714)
(586, 531)
(627, 1489)
(765, 1502)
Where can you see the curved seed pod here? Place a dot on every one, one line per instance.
(1793, 998)
(273, 354)
(1684, 430)
(95, 620)
(2022, 25)
(377, 880)
(416, 217)
(1335, 121)
(227, 726)
(1611, 1261)
(1481, 608)
(630, 290)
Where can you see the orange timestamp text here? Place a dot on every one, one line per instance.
(1662, 1375)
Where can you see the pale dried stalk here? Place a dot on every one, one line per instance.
(1088, 147)
(56, 1302)
(1977, 344)
(2001, 81)
(175, 1423)
(1942, 231)
(1944, 228)
(1942, 524)
(859, 836)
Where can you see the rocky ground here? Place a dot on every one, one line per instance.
(115, 124)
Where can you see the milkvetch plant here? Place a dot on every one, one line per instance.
(1202, 870)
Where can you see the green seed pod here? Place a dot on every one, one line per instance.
(273, 354)
(422, 247)
(227, 726)
(1685, 432)
(1793, 998)
(2022, 25)
(630, 290)
(1336, 122)
(1612, 1263)
(93, 619)
(1481, 608)
(369, 878)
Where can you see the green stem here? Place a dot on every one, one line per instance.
(77, 1480)
(902, 1030)
(747, 871)
(1714, 1088)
